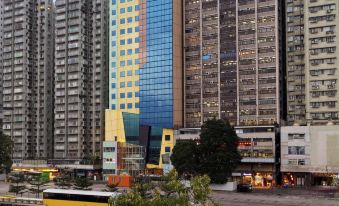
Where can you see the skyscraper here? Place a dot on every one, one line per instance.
(80, 78)
(312, 57)
(233, 62)
(27, 67)
(145, 87)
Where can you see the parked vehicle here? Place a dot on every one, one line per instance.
(242, 187)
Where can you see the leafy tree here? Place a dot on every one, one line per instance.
(219, 155)
(63, 181)
(37, 185)
(17, 183)
(184, 157)
(170, 192)
(6, 146)
(82, 183)
(215, 153)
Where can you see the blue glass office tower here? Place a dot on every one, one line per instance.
(146, 75)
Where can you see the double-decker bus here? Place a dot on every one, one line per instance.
(60, 197)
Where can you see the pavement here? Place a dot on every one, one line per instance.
(260, 199)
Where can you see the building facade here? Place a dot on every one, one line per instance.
(258, 149)
(27, 71)
(145, 86)
(312, 61)
(233, 61)
(309, 155)
(80, 78)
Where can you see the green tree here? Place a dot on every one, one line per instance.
(63, 181)
(215, 153)
(17, 183)
(170, 192)
(6, 146)
(218, 148)
(184, 157)
(82, 183)
(37, 185)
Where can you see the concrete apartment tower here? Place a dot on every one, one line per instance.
(233, 62)
(27, 68)
(312, 61)
(80, 78)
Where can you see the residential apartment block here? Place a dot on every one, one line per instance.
(80, 78)
(27, 69)
(233, 62)
(145, 86)
(312, 57)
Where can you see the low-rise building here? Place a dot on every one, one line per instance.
(257, 146)
(309, 155)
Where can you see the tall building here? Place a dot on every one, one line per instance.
(1, 27)
(145, 86)
(233, 62)
(312, 61)
(80, 78)
(27, 67)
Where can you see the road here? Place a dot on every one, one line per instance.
(248, 199)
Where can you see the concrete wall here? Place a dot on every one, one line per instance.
(321, 148)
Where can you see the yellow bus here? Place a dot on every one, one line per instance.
(60, 197)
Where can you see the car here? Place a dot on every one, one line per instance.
(243, 187)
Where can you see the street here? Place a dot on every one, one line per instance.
(256, 199)
(274, 197)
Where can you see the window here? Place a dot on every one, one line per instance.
(168, 149)
(129, 105)
(122, 106)
(296, 150)
(109, 149)
(296, 136)
(129, 95)
(122, 95)
(167, 137)
(129, 84)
